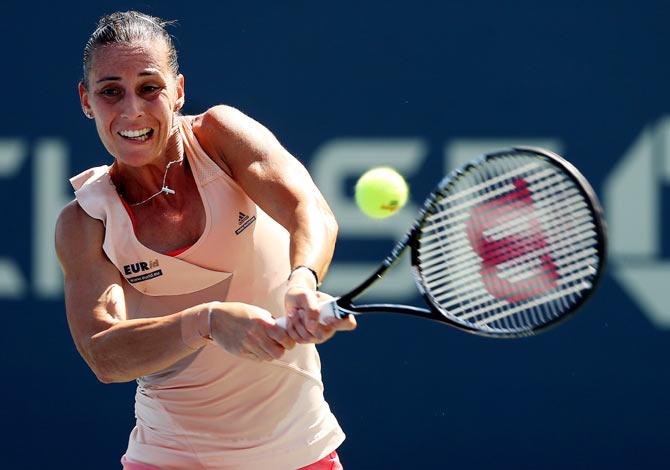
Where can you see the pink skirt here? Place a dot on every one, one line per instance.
(329, 462)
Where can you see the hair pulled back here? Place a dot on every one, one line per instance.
(126, 28)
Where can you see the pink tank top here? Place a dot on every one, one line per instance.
(212, 409)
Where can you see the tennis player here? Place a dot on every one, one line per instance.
(179, 256)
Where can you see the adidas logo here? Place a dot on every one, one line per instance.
(243, 221)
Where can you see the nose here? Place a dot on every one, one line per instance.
(133, 107)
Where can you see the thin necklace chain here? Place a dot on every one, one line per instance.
(164, 188)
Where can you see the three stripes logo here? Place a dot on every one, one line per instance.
(243, 222)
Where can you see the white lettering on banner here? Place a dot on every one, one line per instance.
(49, 180)
(12, 282)
(633, 193)
(50, 167)
(13, 153)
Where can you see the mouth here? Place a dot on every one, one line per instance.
(138, 135)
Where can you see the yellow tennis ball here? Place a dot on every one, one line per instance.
(381, 192)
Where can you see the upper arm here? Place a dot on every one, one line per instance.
(94, 299)
(266, 171)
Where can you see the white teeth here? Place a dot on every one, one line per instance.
(136, 133)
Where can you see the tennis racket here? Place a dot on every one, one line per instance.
(506, 246)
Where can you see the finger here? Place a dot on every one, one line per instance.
(320, 334)
(308, 310)
(263, 346)
(312, 298)
(305, 320)
(311, 322)
(324, 333)
(281, 336)
(347, 323)
(260, 354)
(252, 346)
(297, 330)
(250, 355)
(271, 348)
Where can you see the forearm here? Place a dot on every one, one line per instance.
(313, 236)
(133, 348)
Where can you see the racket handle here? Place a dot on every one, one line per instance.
(328, 309)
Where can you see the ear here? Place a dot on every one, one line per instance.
(83, 99)
(181, 96)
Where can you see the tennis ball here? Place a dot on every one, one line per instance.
(381, 192)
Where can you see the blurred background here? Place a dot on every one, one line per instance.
(345, 86)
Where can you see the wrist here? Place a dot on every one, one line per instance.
(303, 276)
(196, 327)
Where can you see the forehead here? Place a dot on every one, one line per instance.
(120, 58)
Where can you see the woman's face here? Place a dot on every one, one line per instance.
(133, 95)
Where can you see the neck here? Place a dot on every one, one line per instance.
(137, 184)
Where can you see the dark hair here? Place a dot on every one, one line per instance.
(128, 27)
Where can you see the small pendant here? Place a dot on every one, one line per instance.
(167, 190)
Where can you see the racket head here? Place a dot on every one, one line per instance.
(510, 244)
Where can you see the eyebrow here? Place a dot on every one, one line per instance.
(144, 73)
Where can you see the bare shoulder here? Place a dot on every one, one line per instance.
(218, 122)
(228, 134)
(221, 118)
(78, 236)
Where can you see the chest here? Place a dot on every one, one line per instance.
(166, 228)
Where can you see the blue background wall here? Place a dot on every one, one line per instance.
(589, 76)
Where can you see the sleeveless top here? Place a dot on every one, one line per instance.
(212, 409)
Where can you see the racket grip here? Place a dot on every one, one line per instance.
(328, 309)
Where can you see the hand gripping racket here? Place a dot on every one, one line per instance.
(506, 246)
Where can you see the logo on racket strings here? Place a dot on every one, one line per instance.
(507, 236)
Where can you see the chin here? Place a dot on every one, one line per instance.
(135, 158)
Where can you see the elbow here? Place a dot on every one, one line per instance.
(105, 368)
(104, 378)
(101, 373)
(109, 375)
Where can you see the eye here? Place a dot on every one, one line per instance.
(110, 92)
(148, 89)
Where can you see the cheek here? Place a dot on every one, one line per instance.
(103, 112)
(164, 111)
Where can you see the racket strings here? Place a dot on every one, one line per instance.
(440, 274)
(466, 311)
(435, 258)
(453, 210)
(438, 266)
(463, 282)
(433, 253)
(447, 197)
(509, 245)
(533, 313)
(544, 195)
